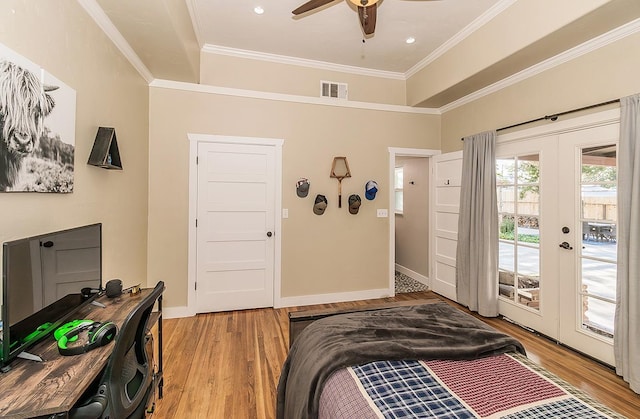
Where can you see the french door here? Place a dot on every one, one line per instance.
(528, 254)
(588, 206)
(557, 209)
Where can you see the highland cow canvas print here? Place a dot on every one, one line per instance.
(37, 128)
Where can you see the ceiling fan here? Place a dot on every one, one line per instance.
(367, 11)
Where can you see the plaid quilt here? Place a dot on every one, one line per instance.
(504, 386)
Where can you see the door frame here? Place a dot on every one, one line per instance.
(592, 120)
(194, 140)
(393, 153)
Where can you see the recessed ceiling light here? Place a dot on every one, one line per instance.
(259, 10)
(410, 40)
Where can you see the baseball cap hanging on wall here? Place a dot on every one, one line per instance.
(354, 203)
(302, 187)
(320, 205)
(370, 190)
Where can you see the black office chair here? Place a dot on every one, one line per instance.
(126, 382)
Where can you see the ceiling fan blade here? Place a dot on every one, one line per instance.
(310, 5)
(368, 18)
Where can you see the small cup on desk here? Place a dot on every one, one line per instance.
(135, 289)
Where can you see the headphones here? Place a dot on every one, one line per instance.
(98, 334)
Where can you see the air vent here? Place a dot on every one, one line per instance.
(333, 89)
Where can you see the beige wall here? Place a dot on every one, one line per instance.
(333, 253)
(412, 227)
(516, 28)
(62, 38)
(266, 76)
(607, 73)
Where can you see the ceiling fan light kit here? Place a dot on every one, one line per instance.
(364, 3)
(367, 12)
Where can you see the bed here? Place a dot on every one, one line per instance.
(426, 360)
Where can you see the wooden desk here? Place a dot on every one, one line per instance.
(53, 386)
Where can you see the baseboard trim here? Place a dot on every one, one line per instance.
(302, 300)
(412, 274)
(305, 300)
(176, 312)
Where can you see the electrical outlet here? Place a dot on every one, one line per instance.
(382, 213)
(285, 212)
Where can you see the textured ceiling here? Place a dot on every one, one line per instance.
(332, 33)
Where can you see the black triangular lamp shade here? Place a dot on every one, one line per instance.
(105, 151)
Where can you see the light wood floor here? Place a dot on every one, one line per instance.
(226, 365)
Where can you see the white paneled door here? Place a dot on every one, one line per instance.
(235, 226)
(447, 173)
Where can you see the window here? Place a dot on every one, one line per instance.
(399, 192)
(518, 180)
(599, 250)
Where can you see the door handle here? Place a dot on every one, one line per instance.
(566, 245)
(269, 234)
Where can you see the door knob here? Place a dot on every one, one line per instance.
(269, 234)
(566, 245)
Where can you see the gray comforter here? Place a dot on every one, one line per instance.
(429, 331)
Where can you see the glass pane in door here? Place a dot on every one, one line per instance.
(518, 181)
(598, 254)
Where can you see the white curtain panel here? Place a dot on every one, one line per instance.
(477, 253)
(627, 318)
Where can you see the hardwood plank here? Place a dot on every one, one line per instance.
(228, 364)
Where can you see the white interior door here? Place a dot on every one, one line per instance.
(447, 174)
(588, 208)
(236, 219)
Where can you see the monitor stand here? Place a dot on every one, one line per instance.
(30, 357)
(23, 355)
(98, 304)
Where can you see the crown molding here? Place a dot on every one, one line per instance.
(303, 62)
(254, 94)
(594, 44)
(100, 17)
(480, 21)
